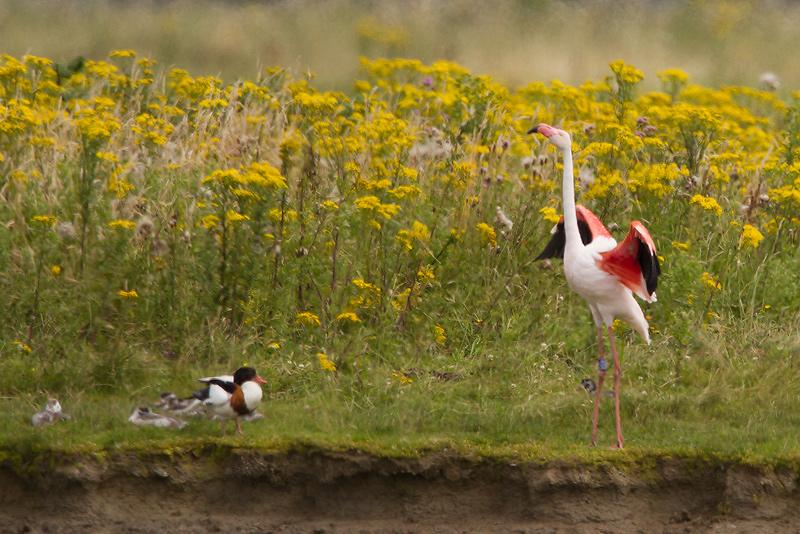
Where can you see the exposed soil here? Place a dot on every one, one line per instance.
(317, 491)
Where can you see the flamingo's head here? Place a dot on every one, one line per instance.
(557, 137)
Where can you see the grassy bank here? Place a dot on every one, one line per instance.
(160, 226)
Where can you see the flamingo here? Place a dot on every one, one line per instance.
(604, 273)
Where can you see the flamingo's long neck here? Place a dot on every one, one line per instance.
(573, 236)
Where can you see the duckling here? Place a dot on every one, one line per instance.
(50, 414)
(188, 406)
(142, 416)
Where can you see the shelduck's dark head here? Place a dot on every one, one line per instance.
(246, 374)
(559, 138)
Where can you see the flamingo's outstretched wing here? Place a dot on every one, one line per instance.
(634, 262)
(589, 226)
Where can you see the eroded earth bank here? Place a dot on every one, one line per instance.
(210, 489)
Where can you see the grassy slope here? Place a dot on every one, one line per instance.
(500, 406)
(719, 385)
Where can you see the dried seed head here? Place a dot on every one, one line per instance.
(66, 230)
(769, 81)
(144, 227)
(160, 247)
(503, 221)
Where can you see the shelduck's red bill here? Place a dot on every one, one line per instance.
(259, 380)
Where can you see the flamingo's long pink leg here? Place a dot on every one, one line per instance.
(601, 376)
(617, 380)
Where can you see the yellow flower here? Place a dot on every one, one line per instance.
(288, 215)
(132, 294)
(419, 231)
(48, 220)
(55, 270)
(373, 204)
(487, 233)
(400, 300)
(209, 221)
(425, 274)
(348, 317)
(21, 345)
(106, 156)
(673, 75)
(122, 53)
(707, 203)
(274, 345)
(402, 378)
(439, 334)
(235, 216)
(326, 363)
(550, 214)
(751, 236)
(680, 246)
(307, 318)
(329, 205)
(122, 223)
(626, 73)
(710, 281)
(368, 296)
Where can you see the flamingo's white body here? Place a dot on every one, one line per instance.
(604, 273)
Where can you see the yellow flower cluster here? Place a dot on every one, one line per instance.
(307, 318)
(707, 203)
(418, 232)
(487, 233)
(270, 183)
(710, 281)
(751, 236)
(325, 363)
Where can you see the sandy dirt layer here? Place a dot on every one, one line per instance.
(325, 492)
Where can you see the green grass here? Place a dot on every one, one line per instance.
(232, 230)
(728, 404)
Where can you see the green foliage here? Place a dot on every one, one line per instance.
(371, 253)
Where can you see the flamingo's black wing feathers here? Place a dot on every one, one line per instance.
(651, 269)
(555, 247)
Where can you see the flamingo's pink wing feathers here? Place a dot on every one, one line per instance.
(589, 226)
(595, 225)
(634, 262)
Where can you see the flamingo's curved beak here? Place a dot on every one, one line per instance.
(544, 129)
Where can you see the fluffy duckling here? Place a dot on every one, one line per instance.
(142, 416)
(50, 414)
